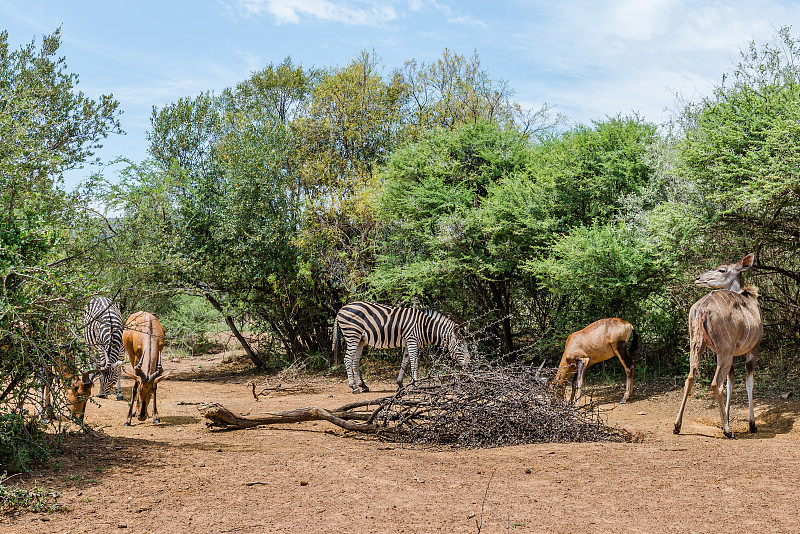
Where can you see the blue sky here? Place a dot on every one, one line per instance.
(588, 59)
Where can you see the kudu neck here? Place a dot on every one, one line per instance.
(737, 285)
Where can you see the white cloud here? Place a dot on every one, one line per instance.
(294, 11)
(594, 59)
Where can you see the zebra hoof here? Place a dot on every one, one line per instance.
(728, 435)
(102, 396)
(120, 397)
(126, 424)
(753, 429)
(156, 420)
(677, 429)
(356, 391)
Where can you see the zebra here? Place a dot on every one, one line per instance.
(102, 331)
(386, 327)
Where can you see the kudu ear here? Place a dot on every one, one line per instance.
(746, 262)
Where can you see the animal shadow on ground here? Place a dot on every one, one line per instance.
(85, 458)
(612, 393)
(779, 418)
(169, 420)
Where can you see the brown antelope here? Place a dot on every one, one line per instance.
(78, 387)
(598, 342)
(143, 339)
(728, 321)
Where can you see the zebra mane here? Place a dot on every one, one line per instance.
(436, 314)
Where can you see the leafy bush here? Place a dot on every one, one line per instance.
(22, 444)
(33, 500)
(188, 323)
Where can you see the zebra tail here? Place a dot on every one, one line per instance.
(337, 343)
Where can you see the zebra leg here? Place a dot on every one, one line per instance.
(403, 367)
(351, 360)
(413, 356)
(118, 371)
(357, 368)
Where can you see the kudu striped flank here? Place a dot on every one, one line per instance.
(385, 327)
(728, 321)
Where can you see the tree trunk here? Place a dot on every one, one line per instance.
(229, 320)
(502, 299)
(220, 418)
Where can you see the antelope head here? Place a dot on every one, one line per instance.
(727, 276)
(146, 386)
(79, 389)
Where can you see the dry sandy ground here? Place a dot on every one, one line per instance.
(178, 477)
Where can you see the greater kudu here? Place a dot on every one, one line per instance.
(728, 321)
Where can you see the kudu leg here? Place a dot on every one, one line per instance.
(687, 390)
(750, 365)
(729, 392)
(723, 369)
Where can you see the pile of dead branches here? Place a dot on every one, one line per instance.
(485, 407)
(488, 408)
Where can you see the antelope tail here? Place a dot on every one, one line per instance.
(633, 343)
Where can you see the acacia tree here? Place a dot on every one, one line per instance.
(741, 152)
(46, 127)
(224, 198)
(433, 208)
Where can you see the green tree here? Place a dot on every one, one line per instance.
(46, 127)
(455, 90)
(741, 151)
(434, 207)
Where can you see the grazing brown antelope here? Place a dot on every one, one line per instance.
(77, 392)
(143, 339)
(78, 387)
(598, 342)
(728, 321)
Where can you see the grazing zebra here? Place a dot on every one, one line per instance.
(102, 331)
(386, 327)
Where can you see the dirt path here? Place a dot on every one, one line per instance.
(177, 477)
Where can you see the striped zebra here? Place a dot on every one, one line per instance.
(386, 327)
(102, 331)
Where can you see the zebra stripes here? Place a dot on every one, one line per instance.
(385, 327)
(102, 331)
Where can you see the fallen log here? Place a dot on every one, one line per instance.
(219, 418)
